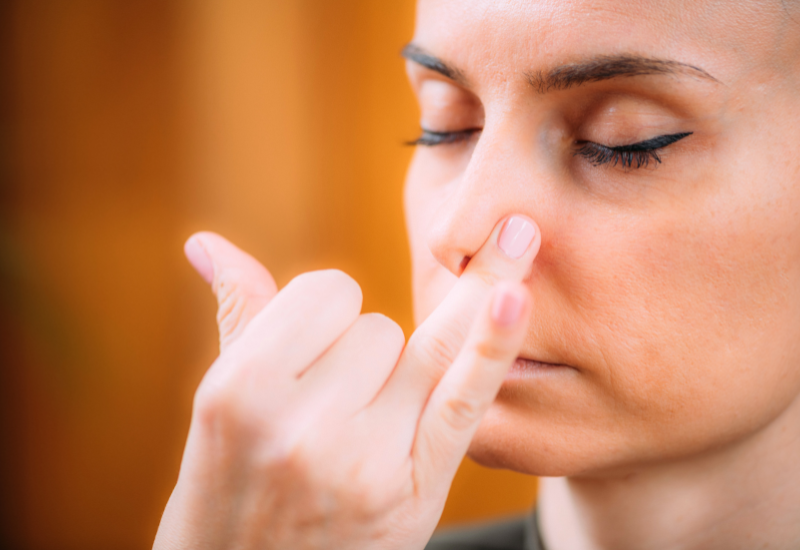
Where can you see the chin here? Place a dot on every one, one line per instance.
(547, 449)
(534, 456)
(509, 457)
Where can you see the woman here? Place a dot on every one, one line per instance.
(604, 218)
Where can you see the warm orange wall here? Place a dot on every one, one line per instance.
(129, 125)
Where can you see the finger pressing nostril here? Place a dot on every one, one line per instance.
(516, 236)
(464, 264)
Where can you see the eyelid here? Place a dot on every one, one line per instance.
(640, 153)
(657, 142)
(430, 138)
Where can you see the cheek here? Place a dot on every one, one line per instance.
(685, 325)
(423, 196)
(700, 318)
(689, 330)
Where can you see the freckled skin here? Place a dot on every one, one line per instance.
(674, 289)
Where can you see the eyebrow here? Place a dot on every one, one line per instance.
(595, 69)
(606, 67)
(414, 53)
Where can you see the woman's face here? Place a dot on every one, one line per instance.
(657, 146)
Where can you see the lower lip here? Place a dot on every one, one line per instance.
(526, 368)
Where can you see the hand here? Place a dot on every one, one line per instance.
(316, 428)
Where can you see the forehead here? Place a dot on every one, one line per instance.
(501, 36)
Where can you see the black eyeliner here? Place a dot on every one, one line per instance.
(629, 156)
(650, 144)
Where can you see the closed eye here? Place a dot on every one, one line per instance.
(634, 155)
(429, 138)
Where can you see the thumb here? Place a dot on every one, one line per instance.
(241, 284)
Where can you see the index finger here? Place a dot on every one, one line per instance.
(506, 255)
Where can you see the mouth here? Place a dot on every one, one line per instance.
(531, 368)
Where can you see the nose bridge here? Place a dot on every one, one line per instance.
(483, 195)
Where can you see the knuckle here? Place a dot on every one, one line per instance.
(492, 350)
(274, 446)
(481, 274)
(287, 456)
(367, 498)
(460, 412)
(329, 280)
(215, 405)
(233, 428)
(232, 304)
(436, 350)
(323, 287)
(228, 289)
(220, 405)
(343, 286)
(379, 326)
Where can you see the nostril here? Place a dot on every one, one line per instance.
(463, 265)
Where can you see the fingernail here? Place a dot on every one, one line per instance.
(506, 309)
(199, 259)
(516, 236)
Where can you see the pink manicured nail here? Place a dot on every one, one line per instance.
(516, 236)
(199, 259)
(506, 309)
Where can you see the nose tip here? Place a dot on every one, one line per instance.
(449, 245)
(470, 210)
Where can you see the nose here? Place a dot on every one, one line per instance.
(485, 193)
(460, 228)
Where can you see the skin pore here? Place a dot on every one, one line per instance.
(658, 385)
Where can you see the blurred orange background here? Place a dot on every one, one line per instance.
(128, 125)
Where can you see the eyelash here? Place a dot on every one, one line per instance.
(634, 155)
(430, 138)
(637, 155)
